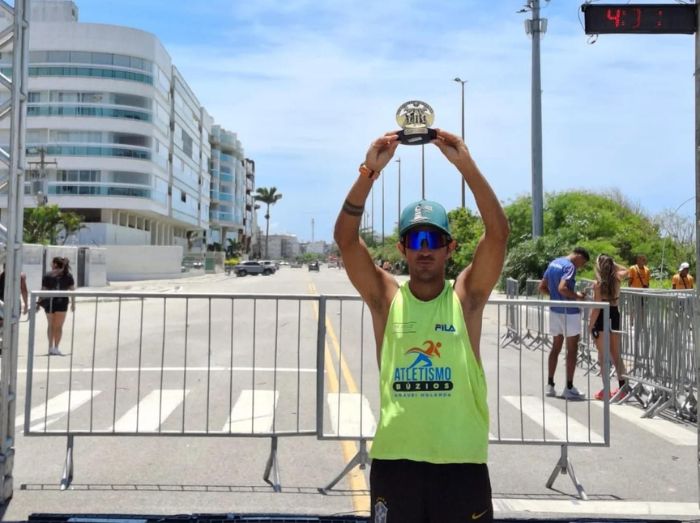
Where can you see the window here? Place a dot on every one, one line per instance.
(183, 196)
(186, 143)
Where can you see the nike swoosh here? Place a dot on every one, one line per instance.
(477, 516)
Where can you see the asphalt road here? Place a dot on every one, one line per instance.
(205, 367)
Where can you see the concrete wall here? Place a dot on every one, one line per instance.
(32, 264)
(107, 233)
(96, 270)
(143, 262)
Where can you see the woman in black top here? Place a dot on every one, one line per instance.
(608, 276)
(59, 278)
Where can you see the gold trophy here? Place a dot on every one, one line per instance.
(415, 118)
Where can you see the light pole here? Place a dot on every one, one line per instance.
(372, 220)
(462, 82)
(422, 172)
(536, 27)
(380, 174)
(398, 160)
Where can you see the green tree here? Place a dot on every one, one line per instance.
(44, 224)
(233, 249)
(268, 197)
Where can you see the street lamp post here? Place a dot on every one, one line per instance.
(382, 209)
(398, 160)
(422, 171)
(462, 82)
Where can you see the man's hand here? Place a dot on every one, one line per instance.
(451, 146)
(382, 151)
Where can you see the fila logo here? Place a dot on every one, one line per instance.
(444, 327)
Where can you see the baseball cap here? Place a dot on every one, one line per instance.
(424, 212)
(684, 265)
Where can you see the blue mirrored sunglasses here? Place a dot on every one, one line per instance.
(416, 240)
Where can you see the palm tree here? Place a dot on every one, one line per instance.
(269, 197)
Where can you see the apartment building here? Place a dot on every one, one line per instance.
(115, 134)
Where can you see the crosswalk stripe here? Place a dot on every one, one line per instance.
(556, 422)
(56, 408)
(152, 410)
(665, 429)
(357, 419)
(253, 412)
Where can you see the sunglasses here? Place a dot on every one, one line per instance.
(416, 240)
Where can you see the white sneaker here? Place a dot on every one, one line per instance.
(53, 351)
(550, 391)
(573, 394)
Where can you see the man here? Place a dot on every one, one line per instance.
(683, 280)
(639, 274)
(559, 282)
(430, 450)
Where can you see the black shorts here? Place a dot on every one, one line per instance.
(52, 305)
(614, 321)
(417, 492)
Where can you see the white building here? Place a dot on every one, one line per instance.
(317, 247)
(130, 140)
(232, 184)
(280, 247)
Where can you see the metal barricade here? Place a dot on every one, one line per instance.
(512, 313)
(148, 364)
(659, 351)
(173, 365)
(536, 326)
(521, 413)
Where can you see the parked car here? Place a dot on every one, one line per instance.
(314, 266)
(295, 264)
(252, 267)
(270, 264)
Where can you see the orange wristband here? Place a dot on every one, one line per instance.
(369, 173)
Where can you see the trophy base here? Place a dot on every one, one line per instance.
(417, 136)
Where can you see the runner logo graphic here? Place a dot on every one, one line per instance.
(422, 374)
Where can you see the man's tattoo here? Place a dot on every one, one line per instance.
(352, 209)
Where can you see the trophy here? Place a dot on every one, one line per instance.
(415, 118)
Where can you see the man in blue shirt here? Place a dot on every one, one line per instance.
(559, 282)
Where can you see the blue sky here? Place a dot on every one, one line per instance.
(307, 85)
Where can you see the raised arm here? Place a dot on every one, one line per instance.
(475, 283)
(375, 285)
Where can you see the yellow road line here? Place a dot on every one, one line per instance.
(356, 477)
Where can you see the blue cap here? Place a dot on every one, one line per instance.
(424, 212)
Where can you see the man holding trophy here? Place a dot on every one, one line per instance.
(430, 450)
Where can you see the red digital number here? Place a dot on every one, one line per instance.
(660, 21)
(615, 16)
(637, 18)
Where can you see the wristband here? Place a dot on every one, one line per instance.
(368, 173)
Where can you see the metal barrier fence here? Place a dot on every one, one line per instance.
(658, 347)
(157, 365)
(656, 344)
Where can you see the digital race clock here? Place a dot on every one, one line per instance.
(640, 18)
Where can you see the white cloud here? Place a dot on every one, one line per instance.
(307, 86)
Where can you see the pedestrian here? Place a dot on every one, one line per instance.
(683, 280)
(58, 278)
(639, 273)
(429, 455)
(609, 276)
(24, 293)
(559, 281)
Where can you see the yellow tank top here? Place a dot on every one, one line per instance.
(433, 391)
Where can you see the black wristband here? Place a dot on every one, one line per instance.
(352, 209)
